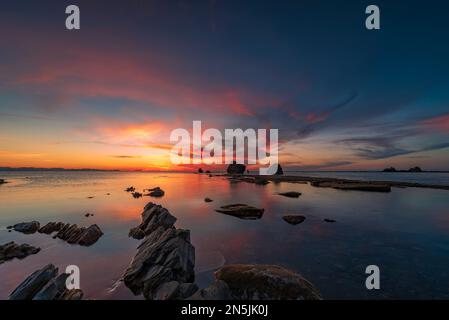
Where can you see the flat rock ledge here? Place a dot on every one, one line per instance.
(163, 267)
(73, 234)
(242, 211)
(257, 282)
(13, 250)
(290, 194)
(358, 186)
(45, 284)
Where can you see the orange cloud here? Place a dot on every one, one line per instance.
(439, 123)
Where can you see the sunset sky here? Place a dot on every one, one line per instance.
(108, 96)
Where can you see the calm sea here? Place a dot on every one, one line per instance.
(405, 232)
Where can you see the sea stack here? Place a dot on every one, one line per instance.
(236, 168)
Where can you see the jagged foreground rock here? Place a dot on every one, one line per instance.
(45, 284)
(163, 267)
(12, 250)
(257, 282)
(73, 234)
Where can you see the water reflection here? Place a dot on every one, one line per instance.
(404, 232)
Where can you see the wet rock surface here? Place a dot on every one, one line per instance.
(294, 219)
(266, 282)
(164, 258)
(12, 250)
(290, 194)
(73, 234)
(218, 290)
(45, 284)
(26, 227)
(208, 200)
(242, 211)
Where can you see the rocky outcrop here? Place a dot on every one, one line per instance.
(163, 267)
(236, 168)
(130, 189)
(257, 282)
(200, 170)
(2, 181)
(266, 282)
(242, 211)
(358, 186)
(45, 284)
(290, 194)
(294, 219)
(26, 227)
(155, 192)
(390, 169)
(51, 227)
(415, 169)
(136, 195)
(208, 200)
(12, 250)
(73, 234)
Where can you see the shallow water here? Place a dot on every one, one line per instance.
(405, 232)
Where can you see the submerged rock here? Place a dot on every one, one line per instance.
(329, 220)
(164, 257)
(45, 284)
(12, 250)
(242, 211)
(290, 194)
(236, 168)
(2, 181)
(294, 219)
(266, 282)
(26, 227)
(358, 186)
(137, 195)
(155, 192)
(208, 200)
(130, 189)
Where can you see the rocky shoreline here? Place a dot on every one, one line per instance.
(342, 184)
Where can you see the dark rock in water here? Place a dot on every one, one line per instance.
(218, 290)
(155, 192)
(73, 234)
(415, 169)
(12, 250)
(87, 215)
(294, 219)
(236, 168)
(390, 169)
(51, 227)
(290, 194)
(354, 186)
(91, 197)
(164, 256)
(130, 189)
(45, 284)
(242, 211)
(207, 171)
(26, 227)
(200, 170)
(108, 194)
(2, 181)
(329, 220)
(208, 200)
(137, 195)
(279, 170)
(261, 181)
(266, 282)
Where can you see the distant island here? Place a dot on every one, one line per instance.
(392, 169)
(52, 169)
